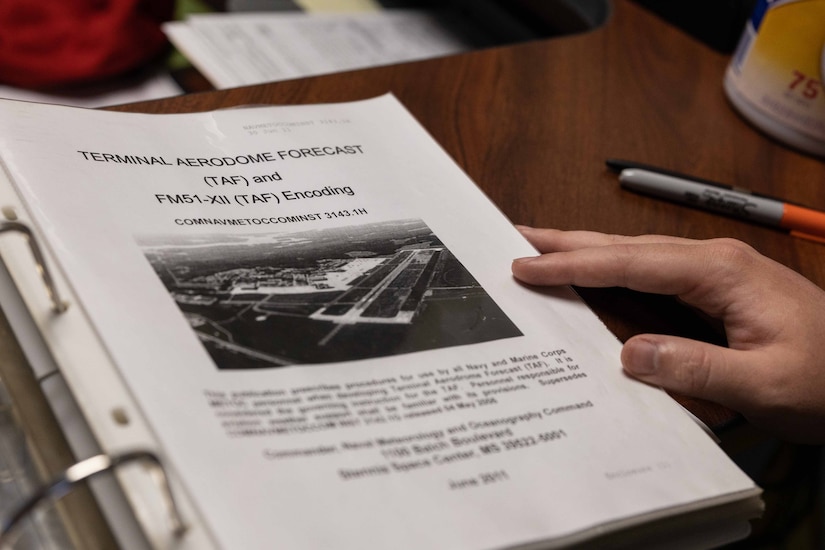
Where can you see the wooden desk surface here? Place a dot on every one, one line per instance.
(533, 123)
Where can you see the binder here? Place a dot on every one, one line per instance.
(75, 368)
(141, 502)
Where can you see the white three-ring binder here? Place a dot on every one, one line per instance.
(98, 416)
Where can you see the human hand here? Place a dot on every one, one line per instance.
(773, 371)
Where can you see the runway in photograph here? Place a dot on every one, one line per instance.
(324, 295)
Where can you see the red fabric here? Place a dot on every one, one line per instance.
(52, 42)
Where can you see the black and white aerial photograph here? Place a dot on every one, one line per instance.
(324, 295)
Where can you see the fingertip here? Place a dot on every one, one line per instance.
(690, 368)
(640, 357)
(525, 260)
(521, 268)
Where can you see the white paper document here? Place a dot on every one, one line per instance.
(313, 309)
(239, 49)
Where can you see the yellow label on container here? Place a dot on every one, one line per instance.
(778, 65)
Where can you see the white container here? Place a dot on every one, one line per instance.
(777, 74)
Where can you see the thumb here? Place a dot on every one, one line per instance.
(688, 367)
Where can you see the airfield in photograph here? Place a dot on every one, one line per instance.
(324, 295)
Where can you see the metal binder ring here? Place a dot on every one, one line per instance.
(86, 469)
(58, 304)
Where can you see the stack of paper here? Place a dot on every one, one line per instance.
(243, 48)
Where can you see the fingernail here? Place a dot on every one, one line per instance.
(524, 228)
(639, 356)
(524, 260)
